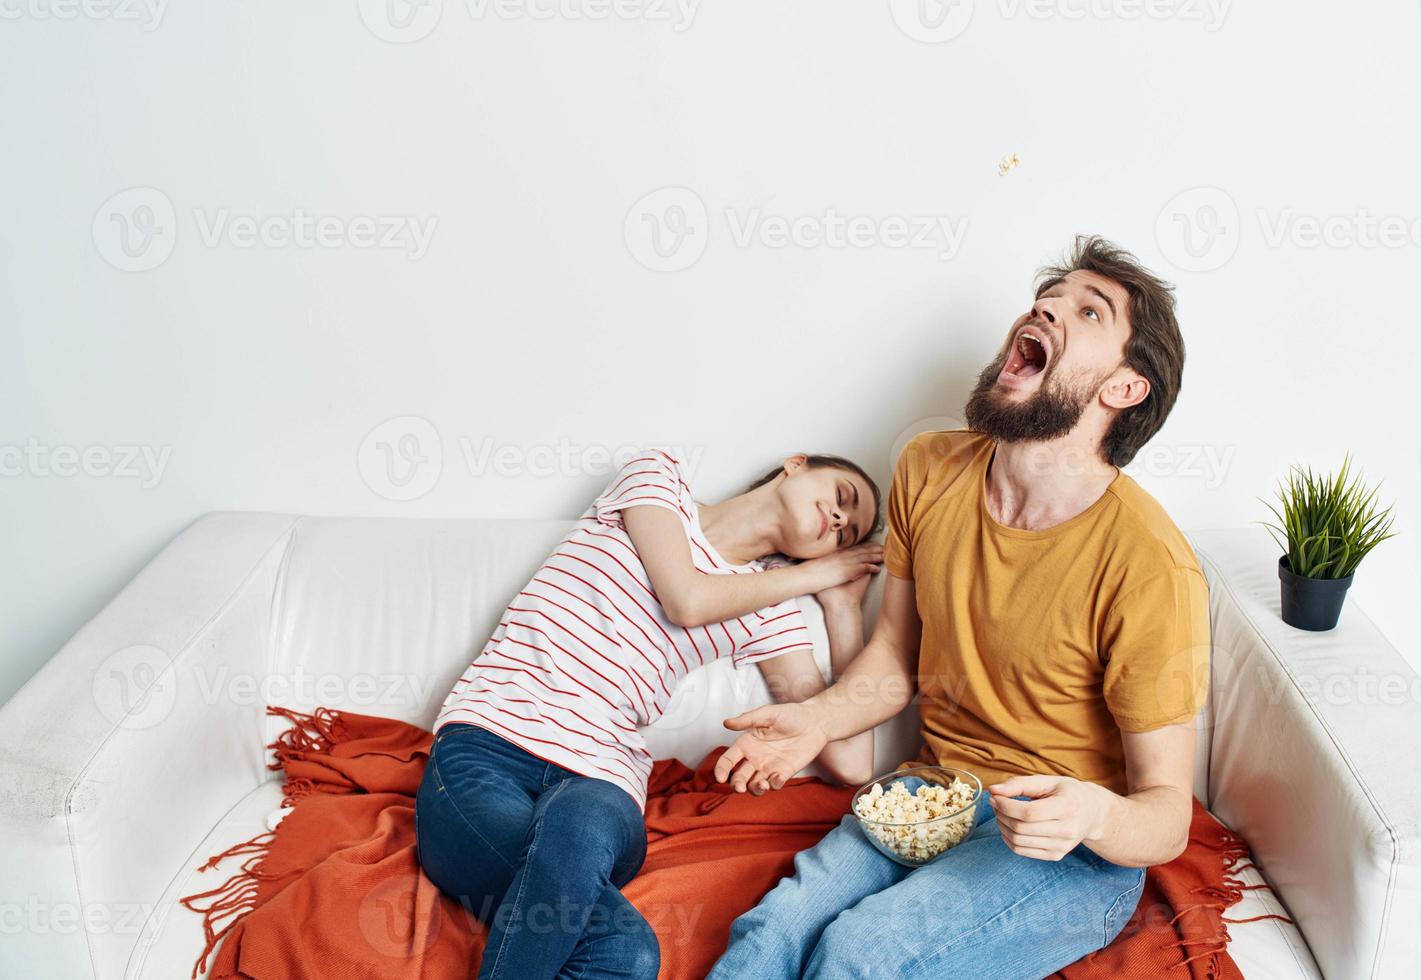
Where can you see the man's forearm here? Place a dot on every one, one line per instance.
(871, 689)
(1146, 828)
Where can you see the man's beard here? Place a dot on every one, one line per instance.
(1050, 413)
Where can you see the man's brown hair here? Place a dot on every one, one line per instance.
(1155, 349)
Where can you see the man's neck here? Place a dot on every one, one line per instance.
(1037, 485)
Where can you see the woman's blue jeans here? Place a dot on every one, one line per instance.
(981, 910)
(539, 854)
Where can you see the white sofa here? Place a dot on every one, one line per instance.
(139, 749)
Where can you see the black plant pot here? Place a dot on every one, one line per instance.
(1311, 603)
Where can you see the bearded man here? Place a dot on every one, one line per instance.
(1052, 622)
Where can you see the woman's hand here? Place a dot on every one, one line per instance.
(779, 741)
(849, 595)
(842, 567)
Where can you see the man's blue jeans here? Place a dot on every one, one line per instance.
(539, 854)
(981, 910)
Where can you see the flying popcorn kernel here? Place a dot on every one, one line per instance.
(1009, 163)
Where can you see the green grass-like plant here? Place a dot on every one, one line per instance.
(1329, 522)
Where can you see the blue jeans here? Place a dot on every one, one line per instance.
(980, 910)
(539, 854)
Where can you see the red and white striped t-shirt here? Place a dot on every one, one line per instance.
(585, 656)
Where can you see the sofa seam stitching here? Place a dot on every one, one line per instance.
(147, 948)
(277, 589)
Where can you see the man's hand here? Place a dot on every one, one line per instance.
(1062, 813)
(779, 741)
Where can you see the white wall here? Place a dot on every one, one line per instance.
(532, 318)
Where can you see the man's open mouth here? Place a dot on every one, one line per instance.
(1029, 355)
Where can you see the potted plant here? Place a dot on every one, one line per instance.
(1329, 523)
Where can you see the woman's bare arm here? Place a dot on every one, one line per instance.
(794, 676)
(693, 598)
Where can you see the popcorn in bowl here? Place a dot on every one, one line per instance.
(915, 815)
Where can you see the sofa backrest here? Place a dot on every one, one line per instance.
(382, 615)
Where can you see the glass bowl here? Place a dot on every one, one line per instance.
(914, 843)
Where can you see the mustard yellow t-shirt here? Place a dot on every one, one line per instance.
(1039, 647)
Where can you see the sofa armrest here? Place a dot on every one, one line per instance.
(1313, 758)
(130, 743)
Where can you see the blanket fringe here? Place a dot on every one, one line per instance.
(1236, 860)
(231, 900)
(235, 897)
(315, 732)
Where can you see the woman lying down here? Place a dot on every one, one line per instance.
(532, 805)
